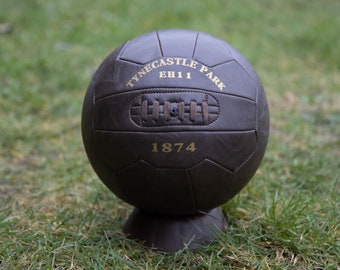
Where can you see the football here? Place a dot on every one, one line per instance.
(175, 122)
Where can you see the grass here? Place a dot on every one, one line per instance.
(56, 214)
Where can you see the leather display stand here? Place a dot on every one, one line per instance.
(173, 233)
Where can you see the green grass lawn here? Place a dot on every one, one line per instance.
(56, 214)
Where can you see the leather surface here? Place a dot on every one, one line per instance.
(175, 122)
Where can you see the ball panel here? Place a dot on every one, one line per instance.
(142, 49)
(138, 182)
(210, 182)
(211, 51)
(262, 121)
(173, 149)
(244, 63)
(168, 72)
(173, 193)
(177, 43)
(244, 173)
(124, 111)
(237, 80)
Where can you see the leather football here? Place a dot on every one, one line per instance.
(175, 122)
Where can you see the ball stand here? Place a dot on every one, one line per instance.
(172, 233)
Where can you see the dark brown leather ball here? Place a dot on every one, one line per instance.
(175, 122)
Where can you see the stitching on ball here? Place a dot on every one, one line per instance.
(155, 109)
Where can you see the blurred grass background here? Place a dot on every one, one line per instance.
(56, 214)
